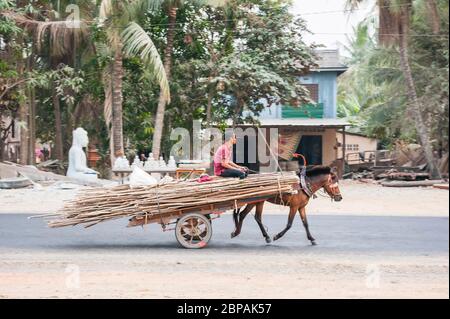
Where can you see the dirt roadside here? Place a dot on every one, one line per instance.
(122, 271)
(213, 275)
(359, 198)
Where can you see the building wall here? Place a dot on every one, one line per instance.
(12, 144)
(328, 143)
(363, 143)
(327, 82)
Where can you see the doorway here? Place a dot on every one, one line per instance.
(310, 146)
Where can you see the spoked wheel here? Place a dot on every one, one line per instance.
(193, 231)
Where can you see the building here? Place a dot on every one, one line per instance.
(312, 130)
(9, 146)
(357, 146)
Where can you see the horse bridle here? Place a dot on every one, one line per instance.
(333, 187)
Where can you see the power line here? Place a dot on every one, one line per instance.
(303, 14)
(298, 14)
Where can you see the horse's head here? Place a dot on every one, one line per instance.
(331, 186)
(324, 177)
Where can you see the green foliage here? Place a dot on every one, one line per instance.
(229, 56)
(267, 56)
(372, 93)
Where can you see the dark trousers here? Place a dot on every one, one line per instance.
(230, 172)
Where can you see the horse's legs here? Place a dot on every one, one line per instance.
(242, 215)
(302, 212)
(292, 212)
(236, 217)
(259, 211)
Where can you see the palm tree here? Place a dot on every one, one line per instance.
(126, 36)
(172, 8)
(394, 22)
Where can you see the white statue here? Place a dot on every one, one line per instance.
(137, 163)
(77, 158)
(150, 164)
(172, 163)
(162, 163)
(121, 163)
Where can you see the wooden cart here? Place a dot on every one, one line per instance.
(188, 205)
(193, 228)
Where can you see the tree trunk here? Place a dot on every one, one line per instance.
(2, 145)
(31, 127)
(239, 107)
(433, 13)
(415, 106)
(159, 120)
(22, 113)
(107, 113)
(117, 100)
(23, 118)
(58, 150)
(209, 107)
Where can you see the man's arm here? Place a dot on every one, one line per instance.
(227, 164)
(232, 165)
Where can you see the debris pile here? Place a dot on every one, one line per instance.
(408, 167)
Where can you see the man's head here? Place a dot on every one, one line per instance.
(231, 139)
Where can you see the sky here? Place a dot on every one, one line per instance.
(329, 20)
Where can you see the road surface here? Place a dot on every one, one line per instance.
(356, 257)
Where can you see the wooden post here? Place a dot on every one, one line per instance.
(343, 149)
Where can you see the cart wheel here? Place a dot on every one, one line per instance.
(193, 231)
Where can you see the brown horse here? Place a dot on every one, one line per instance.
(316, 177)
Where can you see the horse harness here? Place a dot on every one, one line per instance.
(304, 185)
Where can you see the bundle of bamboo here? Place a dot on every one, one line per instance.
(95, 206)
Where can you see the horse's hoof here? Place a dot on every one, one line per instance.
(313, 242)
(233, 234)
(268, 240)
(275, 238)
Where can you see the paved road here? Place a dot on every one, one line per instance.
(411, 252)
(340, 234)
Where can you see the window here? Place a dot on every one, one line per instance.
(313, 91)
(352, 147)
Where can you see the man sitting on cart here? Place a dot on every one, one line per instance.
(223, 161)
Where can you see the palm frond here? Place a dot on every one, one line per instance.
(136, 42)
(352, 4)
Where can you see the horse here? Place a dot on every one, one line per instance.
(314, 178)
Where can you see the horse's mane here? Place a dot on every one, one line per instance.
(315, 170)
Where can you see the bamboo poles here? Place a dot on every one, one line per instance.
(95, 206)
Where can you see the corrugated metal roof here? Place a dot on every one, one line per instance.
(330, 60)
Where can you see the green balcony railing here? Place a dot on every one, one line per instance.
(308, 111)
